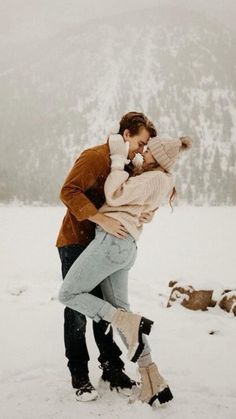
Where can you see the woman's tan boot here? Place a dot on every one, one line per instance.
(153, 386)
(132, 326)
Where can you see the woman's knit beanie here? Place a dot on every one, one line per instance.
(166, 151)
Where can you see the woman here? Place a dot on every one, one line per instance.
(107, 260)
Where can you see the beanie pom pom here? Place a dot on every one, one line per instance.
(186, 143)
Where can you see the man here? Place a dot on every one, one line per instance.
(83, 194)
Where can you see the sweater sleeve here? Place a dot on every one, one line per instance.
(87, 168)
(122, 190)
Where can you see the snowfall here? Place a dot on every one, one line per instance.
(195, 350)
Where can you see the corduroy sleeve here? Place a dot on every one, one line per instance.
(84, 174)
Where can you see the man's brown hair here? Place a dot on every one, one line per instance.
(133, 121)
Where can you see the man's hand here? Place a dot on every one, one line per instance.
(110, 225)
(146, 217)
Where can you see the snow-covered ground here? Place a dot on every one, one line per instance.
(193, 245)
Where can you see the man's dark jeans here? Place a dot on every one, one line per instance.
(75, 326)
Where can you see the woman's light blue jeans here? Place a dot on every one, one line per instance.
(106, 261)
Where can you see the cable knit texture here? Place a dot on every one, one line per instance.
(167, 151)
(128, 197)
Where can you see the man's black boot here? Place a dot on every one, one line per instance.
(116, 378)
(85, 390)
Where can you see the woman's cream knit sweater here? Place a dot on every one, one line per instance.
(128, 197)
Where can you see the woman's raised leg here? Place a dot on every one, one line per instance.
(115, 291)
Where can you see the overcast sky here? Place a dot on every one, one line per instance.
(31, 19)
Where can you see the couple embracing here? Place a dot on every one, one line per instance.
(110, 194)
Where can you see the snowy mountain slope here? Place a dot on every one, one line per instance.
(63, 94)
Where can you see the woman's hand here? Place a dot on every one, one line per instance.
(146, 217)
(119, 150)
(118, 146)
(118, 162)
(110, 225)
(113, 226)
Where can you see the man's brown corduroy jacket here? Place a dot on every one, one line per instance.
(83, 194)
